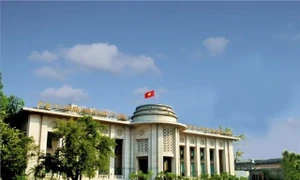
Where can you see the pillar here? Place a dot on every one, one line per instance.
(112, 160)
(187, 157)
(197, 157)
(225, 157)
(133, 159)
(126, 156)
(176, 152)
(159, 144)
(231, 157)
(153, 155)
(43, 134)
(217, 161)
(207, 157)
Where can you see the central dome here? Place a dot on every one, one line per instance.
(154, 113)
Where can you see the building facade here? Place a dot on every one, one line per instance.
(151, 139)
(261, 169)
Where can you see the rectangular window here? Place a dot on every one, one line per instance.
(212, 169)
(50, 138)
(211, 155)
(202, 160)
(221, 161)
(193, 170)
(182, 170)
(202, 168)
(212, 162)
(118, 156)
(201, 154)
(181, 152)
(192, 153)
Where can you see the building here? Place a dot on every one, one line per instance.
(261, 169)
(151, 139)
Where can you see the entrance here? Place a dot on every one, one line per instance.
(167, 164)
(143, 164)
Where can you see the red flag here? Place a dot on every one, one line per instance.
(149, 94)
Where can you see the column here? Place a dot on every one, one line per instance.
(43, 134)
(112, 160)
(207, 156)
(153, 155)
(197, 157)
(231, 157)
(187, 157)
(126, 154)
(217, 161)
(225, 157)
(33, 130)
(177, 152)
(133, 164)
(159, 148)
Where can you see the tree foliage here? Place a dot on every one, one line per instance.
(171, 176)
(15, 145)
(291, 165)
(84, 149)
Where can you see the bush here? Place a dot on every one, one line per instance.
(140, 175)
(223, 176)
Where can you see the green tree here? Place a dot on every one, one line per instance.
(84, 149)
(16, 147)
(239, 154)
(291, 165)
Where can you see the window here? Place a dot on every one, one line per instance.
(182, 170)
(202, 168)
(221, 161)
(202, 154)
(211, 155)
(212, 169)
(50, 139)
(202, 160)
(212, 163)
(193, 172)
(192, 153)
(181, 152)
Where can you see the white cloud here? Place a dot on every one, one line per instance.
(44, 56)
(64, 93)
(280, 136)
(215, 45)
(106, 57)
(52, 73)
(142, 90)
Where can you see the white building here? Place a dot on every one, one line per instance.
(152, 139)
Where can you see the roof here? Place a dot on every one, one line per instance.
(74, 115)
(268, 161)
(260, 161)
(115, 120)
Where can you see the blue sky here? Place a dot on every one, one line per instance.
(234, 64)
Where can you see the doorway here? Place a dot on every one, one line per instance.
(167, 164)
(143, 164)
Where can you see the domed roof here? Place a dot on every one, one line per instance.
(155, 113)
(154, 109)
